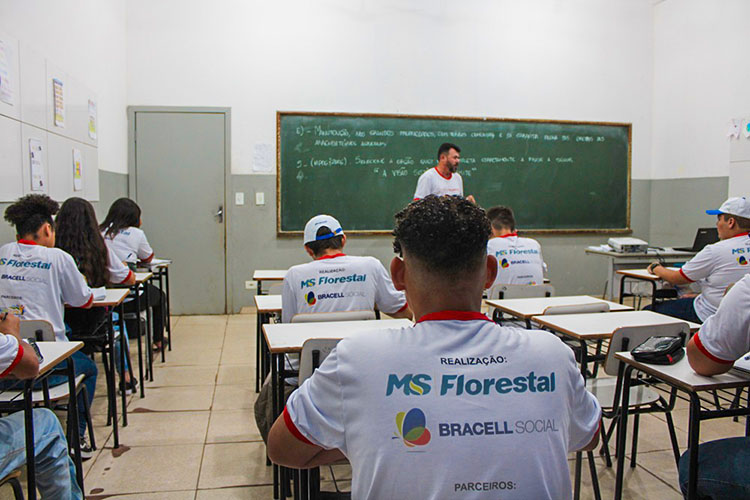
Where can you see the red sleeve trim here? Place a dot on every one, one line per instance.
(403, 308)
(149, 258)
(416, 199)
(88, 302)
(702, 348)
(130, 273)
(293, 428)
(17, 360)
(685, 275)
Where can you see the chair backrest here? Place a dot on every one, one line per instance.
(314, 351)
(594, 307)
(333, 316)
(505, 291)
(629, 337)
(37, 329)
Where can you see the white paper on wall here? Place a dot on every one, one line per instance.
(734, 129)
(38, 180)
(6, 87)
(59, 100)
(262, 158)
(746, 128)
(92, 119)
(77, 170)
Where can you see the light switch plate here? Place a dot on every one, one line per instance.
(260, 198)
(239, 198)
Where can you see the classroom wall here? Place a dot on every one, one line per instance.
(700, 84)
(570, 60)
(87, 39)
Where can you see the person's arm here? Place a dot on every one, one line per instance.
(702, 363)
(471, 199)
(119, 272)
(594, 440)
(24, 363)
(423, 187)
(144, 251)
(288, 300)
(290, 449)
(670, 275)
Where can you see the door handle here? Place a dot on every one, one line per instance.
(220, 213)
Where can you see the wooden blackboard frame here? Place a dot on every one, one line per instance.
(280, 114)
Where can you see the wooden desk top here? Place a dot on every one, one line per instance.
(601, 325)
(55, 352)
(269, 274)
(526, 308)
(114, 297)
(682, 375)
(142, 277)
(643, 274)
(268, 303)
(289, 337)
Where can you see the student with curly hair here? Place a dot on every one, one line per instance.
(122, 233)
(414, 411)
(37, 280)
(78, 234)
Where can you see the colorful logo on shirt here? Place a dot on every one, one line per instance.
(742, 260)
(412, 428)
(16, 310)
(310, 299)
(504, 263)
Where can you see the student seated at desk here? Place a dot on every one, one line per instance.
(122, 232)
(55, 471)
(37, 280)
(332, 282)
(414, 416)
(723, 465)
(519, 259)
(715, 267)
(78, 234)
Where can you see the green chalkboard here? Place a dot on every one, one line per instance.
(558, 176)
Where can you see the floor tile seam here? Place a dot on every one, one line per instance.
(659, 478)
(261, 485)
(241, 441)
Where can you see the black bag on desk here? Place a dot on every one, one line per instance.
(659, 350)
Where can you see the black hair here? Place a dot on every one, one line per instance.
(78, 234)
(123, 213)
(320, 246)
(31, 212)
(501, 217)
(742, 222)
(447, 234)
(446, 147)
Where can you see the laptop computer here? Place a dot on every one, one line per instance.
(704, 236)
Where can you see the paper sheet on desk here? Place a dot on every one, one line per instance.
(604, 248)
(99, 293)
(743, 364)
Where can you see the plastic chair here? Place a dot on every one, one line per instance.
(502, 291)
(333, 316)
(595, 307)
(14, 480)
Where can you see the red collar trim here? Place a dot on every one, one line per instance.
(454, 315)
(331, 256)
(27, 242)
(507, 235)
(450, 174)
(741, 234)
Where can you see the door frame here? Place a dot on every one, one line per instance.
(132, 171)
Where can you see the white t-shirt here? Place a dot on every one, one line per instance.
(454, 407)
(339, 283)
(130, 245)
(519, 260)
(725, 336)
(433, 182)
(118, 272)
(715, 268)
(36, 281)
(11, 353)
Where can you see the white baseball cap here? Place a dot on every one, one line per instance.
(738, 206)
(312, 226)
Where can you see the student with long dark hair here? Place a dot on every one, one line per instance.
(37, 279)
(122, 232)
(78, 234)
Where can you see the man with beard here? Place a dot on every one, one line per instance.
(444, 178)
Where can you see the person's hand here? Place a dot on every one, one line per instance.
(651, 266)
(10, 325)
(471, 199)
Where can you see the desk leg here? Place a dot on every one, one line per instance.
(622, 289)
(612, 277)
(123, 346)
(138, 334)
(274, 406)
(73, 416)
(258, 347)
(149, 336)
(28, 408)
(693, 434)
(622, 429)
(112, 387)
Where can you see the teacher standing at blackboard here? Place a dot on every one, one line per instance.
(444, 178)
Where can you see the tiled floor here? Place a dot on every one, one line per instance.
(193, 437)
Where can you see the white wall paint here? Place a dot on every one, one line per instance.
(86, 38)
(557, 59)
(701, 76)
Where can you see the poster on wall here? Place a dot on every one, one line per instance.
(92, 119)
(37, 165)
(6, 89)
(59, 100)
(77, 170)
